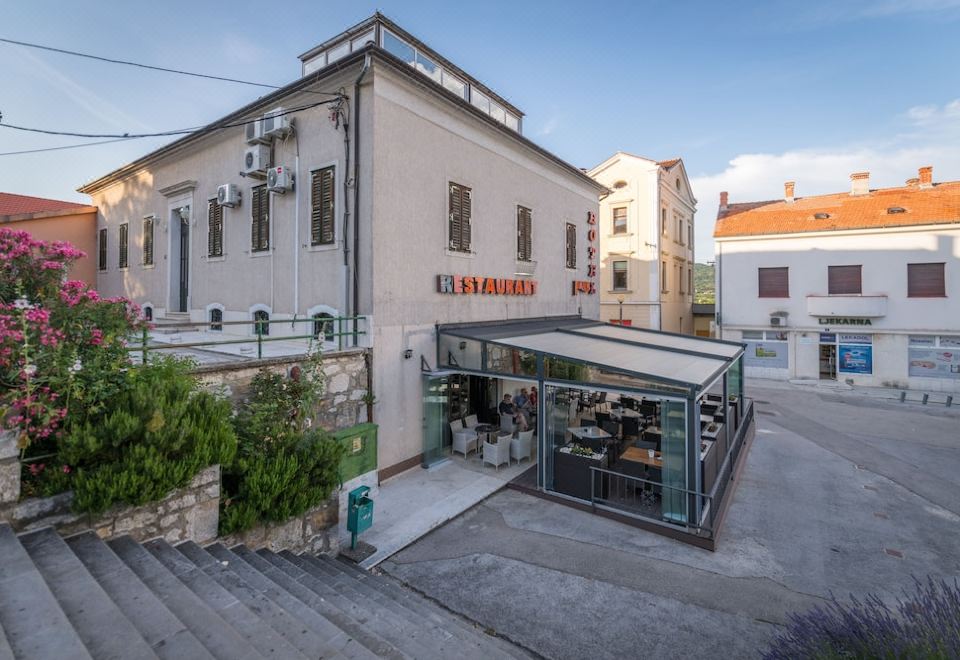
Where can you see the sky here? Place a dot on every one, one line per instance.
(749, 94)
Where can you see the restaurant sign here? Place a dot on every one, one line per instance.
(843, 320)
(496, 286)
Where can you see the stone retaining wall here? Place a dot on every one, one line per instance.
(342, 404)
(314, 532)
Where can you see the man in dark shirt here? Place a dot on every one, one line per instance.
(507, 407)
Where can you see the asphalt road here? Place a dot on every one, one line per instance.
(841, 494)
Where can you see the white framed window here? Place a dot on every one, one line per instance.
(260, 315)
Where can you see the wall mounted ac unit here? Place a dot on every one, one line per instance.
(228, 195)
(275, 123)
(255, 132)
(777, 320)
(256, 159)
(279, 179)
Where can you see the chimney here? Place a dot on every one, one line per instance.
(788, 191)
(926, 176)
(723, 199)
(913, 183)
(860, 183)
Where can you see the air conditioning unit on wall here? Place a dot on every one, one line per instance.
(275, 123)
(279, 179)
(778, 319)
(256, 159)
(254, 133)
(228, 195)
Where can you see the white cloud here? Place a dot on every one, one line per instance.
(549, 126)
(931, 140)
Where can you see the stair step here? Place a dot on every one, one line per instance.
(105, 631)
(163, 631)
(409, 640)
(214, 633)
(289, 625)
(469, 644)
(250, 625)
(467, 630)
(33, 622)
(251, 568)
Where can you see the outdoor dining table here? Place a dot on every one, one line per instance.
(620, 413)
(485, 430)
(591, 432)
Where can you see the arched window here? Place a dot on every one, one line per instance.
(216, 319)
(147, 313)
(323, 328)
(261, 320)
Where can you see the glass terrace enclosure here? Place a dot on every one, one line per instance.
(645, 424)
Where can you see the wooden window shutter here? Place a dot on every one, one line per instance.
(524, 231)
(214, 229)
(322, 222)
(260, 227)
(773, 282)
(459, 207)
(102, 250)
(571, 245)
(926, 280)
(122, 256)
(148, 241)
(844, 280)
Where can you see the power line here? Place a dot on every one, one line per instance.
(63, 147)
(180, 131)
(144, 66)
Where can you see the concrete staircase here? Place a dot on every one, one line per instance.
(83, 598)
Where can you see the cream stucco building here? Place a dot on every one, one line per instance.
(855, 286)
(646, 243)
(416, 200)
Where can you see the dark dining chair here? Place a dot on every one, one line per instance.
(585, 421)
(601, 417)
(631, 427)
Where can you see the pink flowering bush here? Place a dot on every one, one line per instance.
(62, 346)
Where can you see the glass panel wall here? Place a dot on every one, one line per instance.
(436, 430)
(673, 421)
(506, 360)
(460, 353)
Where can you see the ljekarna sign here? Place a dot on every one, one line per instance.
(492, 286)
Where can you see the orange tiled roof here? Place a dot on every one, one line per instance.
(11, 204)
(939, 204)
(667, 164)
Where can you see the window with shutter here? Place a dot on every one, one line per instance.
(102, 250)
(148, 241)
(926, 280)
(460, 208)
(214, 229)
(322, 224)
(773, 282)
(524, 233)
(571, 245)
(619, 275)
(122, 254)
(260, 225)
(844, 280)
(620, 220)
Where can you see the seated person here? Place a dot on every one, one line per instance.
(508, 407)
(522, 401)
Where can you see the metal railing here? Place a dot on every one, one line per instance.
(617, 492)
(261, 333)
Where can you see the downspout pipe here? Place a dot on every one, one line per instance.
(354, 308)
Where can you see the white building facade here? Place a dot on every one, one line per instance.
(646, 234)
(416, 201)
(855, 287)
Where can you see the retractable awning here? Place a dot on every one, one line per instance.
(673, 360)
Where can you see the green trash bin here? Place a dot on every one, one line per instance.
(359, 513)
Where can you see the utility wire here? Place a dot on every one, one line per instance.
(180, 131)
(144, 66)
(62, 148)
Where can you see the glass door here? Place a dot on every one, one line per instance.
(436, 430)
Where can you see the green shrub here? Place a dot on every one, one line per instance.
(283, 466)
(156, 435)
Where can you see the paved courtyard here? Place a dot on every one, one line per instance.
(842, 493)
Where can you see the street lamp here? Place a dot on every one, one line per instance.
(620, 302)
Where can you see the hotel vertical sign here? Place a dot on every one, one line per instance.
(590, 285)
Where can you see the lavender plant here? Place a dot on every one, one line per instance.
(924, 623)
